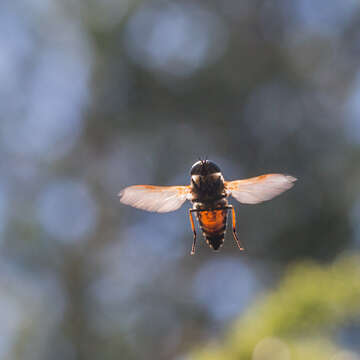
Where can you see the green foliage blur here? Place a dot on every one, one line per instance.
(298, 319)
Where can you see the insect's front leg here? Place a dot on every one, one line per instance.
(230, 207)
(193, 229)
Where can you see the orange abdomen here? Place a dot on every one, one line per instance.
(213, 225)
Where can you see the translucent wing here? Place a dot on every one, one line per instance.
(155, 198)
(261, 188)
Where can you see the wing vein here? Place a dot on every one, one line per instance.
(260, 188)
(154, 198)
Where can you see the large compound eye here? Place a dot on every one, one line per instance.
(196, 168)
(211, 167)
(204, 167)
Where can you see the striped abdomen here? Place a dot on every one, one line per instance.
(213, 225)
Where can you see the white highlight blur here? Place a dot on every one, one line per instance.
(175, 39)
(345, 355)
(44, 84)
(224, 287)
(271, 348)
(67, 210)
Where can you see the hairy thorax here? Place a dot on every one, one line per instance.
(208, 191)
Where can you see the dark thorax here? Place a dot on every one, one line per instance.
(208, 190)
(207, 185)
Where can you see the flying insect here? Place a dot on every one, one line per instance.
(208, 191)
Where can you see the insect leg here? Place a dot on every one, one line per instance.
(193, 229)
(230, 207)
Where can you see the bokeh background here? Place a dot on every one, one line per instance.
(98, 95)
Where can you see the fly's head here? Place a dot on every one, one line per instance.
(206, 177)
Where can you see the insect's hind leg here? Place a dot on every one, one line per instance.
(193, 229)
(240, 246)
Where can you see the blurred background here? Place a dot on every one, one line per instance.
(98, 95)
